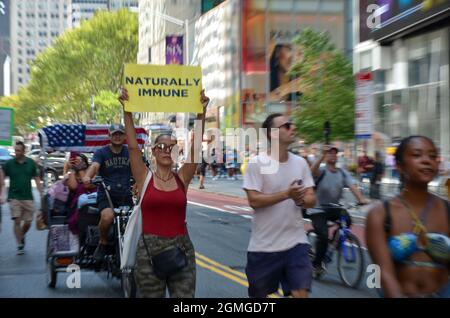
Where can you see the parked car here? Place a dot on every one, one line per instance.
(5, 155)
(55, 164)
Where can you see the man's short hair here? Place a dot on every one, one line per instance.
(20, 143)
(267, 124)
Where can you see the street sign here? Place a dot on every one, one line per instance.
(6, 126)
(364, 106)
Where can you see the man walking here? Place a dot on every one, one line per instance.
(20, 171)
(112, 163)
(330, 183)
(375, 178)
(278, 249)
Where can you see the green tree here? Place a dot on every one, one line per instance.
(82, 63)
(327, 88)
(108, 107)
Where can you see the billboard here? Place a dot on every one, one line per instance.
(268, 52)
(174, 49)
(381, 19)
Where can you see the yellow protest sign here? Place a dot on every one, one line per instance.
(163, 88)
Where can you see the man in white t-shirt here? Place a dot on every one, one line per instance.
(279, 250)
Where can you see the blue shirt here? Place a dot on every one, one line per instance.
(115, 170)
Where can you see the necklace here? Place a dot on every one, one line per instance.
(419, 227)
(162, 179)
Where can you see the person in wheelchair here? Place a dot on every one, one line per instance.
(112, 163)
(78, 165)
(330, 182)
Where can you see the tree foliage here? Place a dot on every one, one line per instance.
(327, 88)
(82, 63)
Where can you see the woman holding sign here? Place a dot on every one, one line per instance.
(165, 258)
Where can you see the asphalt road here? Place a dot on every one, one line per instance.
(220, 240)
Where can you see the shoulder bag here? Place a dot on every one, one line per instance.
(133, 231)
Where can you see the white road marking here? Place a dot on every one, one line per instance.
(219, 209)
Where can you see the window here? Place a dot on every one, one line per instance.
(365, 61)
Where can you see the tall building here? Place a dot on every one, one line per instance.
(154, 25)
(80, 10)
(34, 26)
(4, 47)
(404, 46)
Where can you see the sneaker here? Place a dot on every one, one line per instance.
(20, 249)
(214, 178)
(100, 253)
(318, 271)
(201, 187)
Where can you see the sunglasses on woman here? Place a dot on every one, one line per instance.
(164, 147)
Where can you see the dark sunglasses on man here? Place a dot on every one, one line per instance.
(287, 125)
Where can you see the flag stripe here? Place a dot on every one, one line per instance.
(90, 132)
(85, 138)
(98, 143)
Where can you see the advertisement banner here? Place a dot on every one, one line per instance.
(389, 17)
(6, 126)
(364, 106)
(163, 88)
(174, 49)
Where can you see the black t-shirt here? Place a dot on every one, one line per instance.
(378, 169)
(115, 170)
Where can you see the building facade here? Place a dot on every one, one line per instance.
(234, 41)
(34, 26)
(155, 24)
(80, 10)
(405, 46)
(5, 78)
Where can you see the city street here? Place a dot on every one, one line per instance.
(220, 229)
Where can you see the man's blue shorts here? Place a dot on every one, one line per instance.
(267, 270)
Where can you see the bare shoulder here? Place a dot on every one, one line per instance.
(376, 213)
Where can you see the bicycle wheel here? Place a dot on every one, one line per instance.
(350, 261)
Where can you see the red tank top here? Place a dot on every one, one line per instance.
(164, 212)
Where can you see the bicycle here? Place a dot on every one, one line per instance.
(347, 246)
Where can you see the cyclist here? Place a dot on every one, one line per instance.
(112, 163)
(330, 182)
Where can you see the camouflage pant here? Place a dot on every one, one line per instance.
(180, 285)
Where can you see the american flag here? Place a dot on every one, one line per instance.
(82, 138)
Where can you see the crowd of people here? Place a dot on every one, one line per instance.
(407, 236)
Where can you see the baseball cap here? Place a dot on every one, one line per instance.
(115, 128)
(334, 148)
